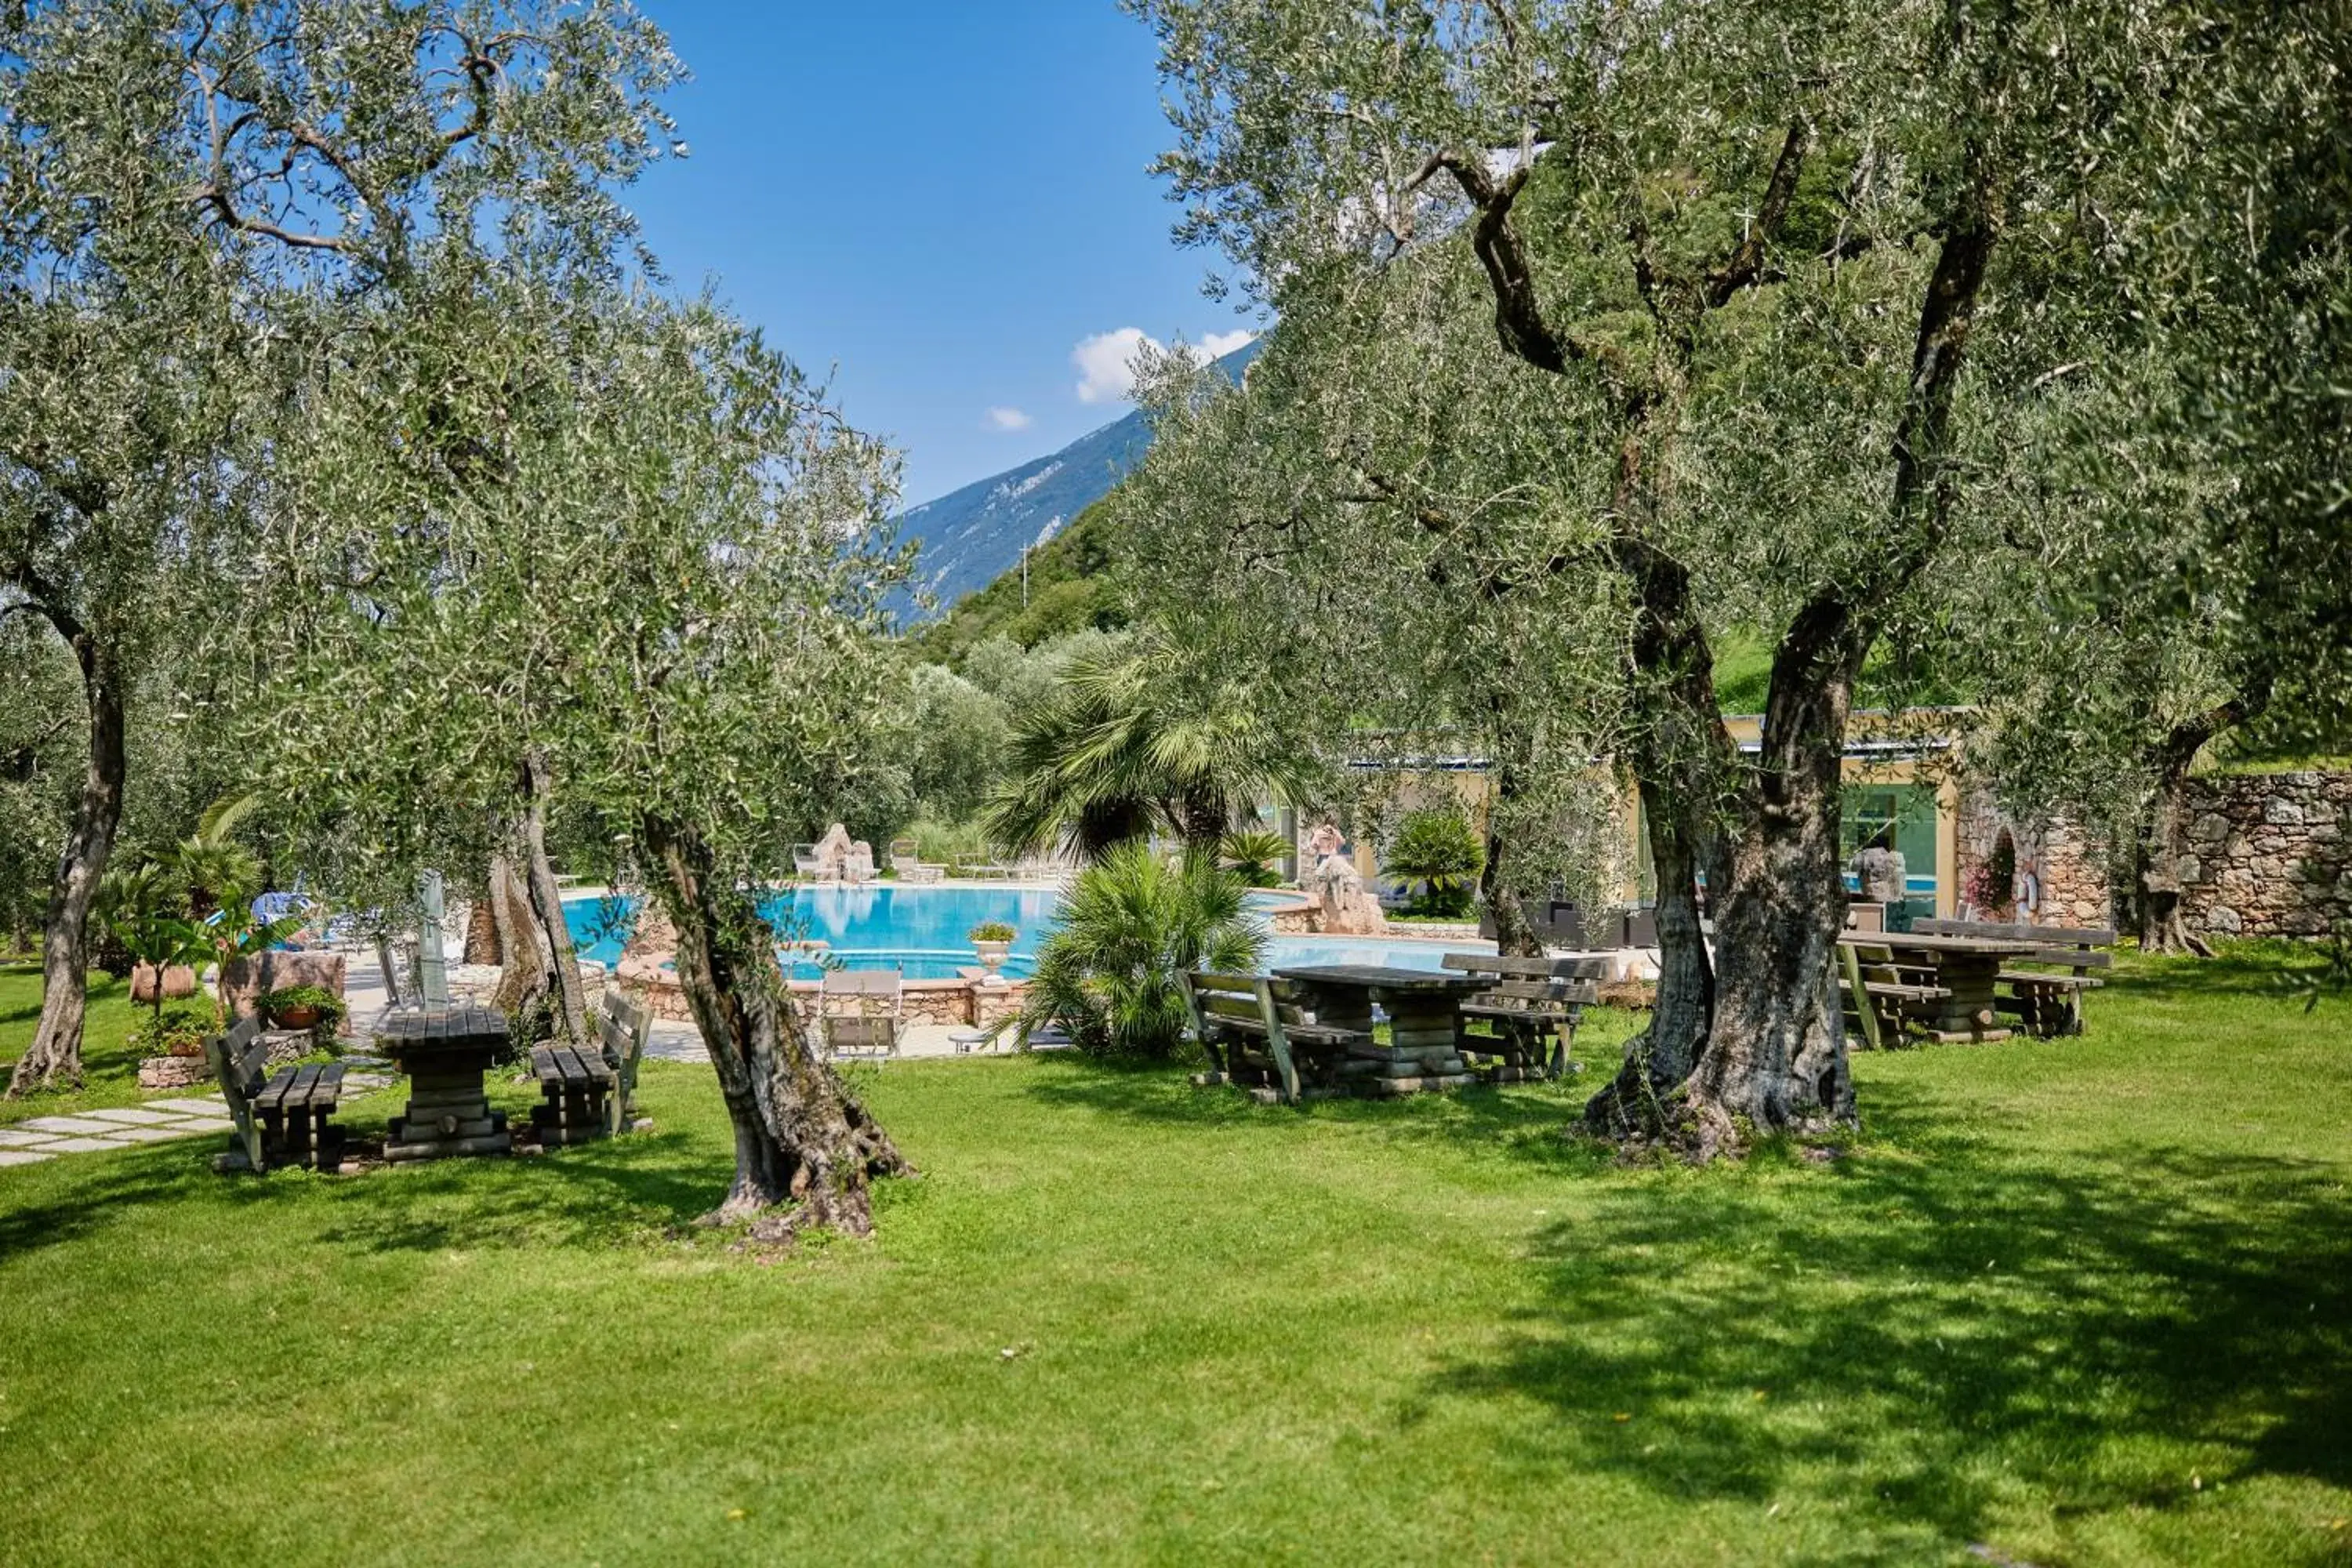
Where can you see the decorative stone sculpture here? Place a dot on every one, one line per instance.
(833, 852)
(1342, 906)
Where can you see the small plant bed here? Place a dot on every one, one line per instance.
(311, 1008)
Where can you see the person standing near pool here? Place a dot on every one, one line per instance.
(1879, 870)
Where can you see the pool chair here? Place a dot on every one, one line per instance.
(806, 862)
(908, 863)
(859, 1011)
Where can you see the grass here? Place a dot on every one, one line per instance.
(2076, 1302)
(110, 1055)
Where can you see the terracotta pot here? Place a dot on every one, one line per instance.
(294, 1018)
(179, 981)
(184, 1048)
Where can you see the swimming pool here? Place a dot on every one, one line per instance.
(921, 930)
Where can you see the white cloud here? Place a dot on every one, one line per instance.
(1105, 364)
(1007, 420)
(1105, 361)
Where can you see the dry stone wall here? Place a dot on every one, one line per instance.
(2266, 854)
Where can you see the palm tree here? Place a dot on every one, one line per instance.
(1131, 925)
(1125, 748)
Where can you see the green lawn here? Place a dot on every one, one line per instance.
(2072, 1303)
(109, 1059)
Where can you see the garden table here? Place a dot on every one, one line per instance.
(1423, 1006)
(1966, 968)
(445, 1048)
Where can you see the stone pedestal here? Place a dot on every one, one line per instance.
(447, 1052)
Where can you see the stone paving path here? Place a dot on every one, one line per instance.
(43, 1138)
(39, 1138)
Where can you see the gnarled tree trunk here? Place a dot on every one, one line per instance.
(482, 936)
(54, 1057)
(2152, 891)
(1776, 1056)
(526, 976)
(800, 1138)
(547, 904)
(1499, 887)
(1681, 761)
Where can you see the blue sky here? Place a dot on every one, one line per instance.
(940, 200)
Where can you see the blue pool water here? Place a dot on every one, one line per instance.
(921, 930)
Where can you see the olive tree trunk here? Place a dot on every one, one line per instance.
(2150, 892)
(1683, 757)
(571, 1010)
(2152, 889)
(800, 1138)
(526, 972)
(1776, 1053)
(54, 1057)
(1498, 886)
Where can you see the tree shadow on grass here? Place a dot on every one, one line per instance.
(1523, 1119)
(1937, 1337)
(609, 1192)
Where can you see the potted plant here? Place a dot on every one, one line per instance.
(179, 1030)
(312, 1007)
(993, 940)
(163, 943)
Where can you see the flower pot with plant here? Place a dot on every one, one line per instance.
(993, 940)
(311, 1008)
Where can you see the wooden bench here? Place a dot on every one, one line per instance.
(591, 1094)
(1531, 1001)
(1879, 994)
(281, 1119)
(2046, 987)
(577, 1087)
(1257, 1034)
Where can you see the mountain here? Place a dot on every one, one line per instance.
(972, 536)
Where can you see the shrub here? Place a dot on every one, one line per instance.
(1440, 851)
(1131, 925)
(179, 1029)
(990, 930)
(954, 845)
(1256, 858)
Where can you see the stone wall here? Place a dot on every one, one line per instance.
(956, 1002)
(2073, 870)
(2266, 855)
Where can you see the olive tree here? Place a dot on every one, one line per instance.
(669, 604)
(1694, 214)
(173, 174)
(2187, 530)
(1427, 554)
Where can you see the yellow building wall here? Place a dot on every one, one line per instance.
(1470, 789)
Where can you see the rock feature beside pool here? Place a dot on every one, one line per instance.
(1341, 906)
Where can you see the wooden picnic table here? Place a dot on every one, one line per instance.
(447, 1049)
(1422, 1005)
(1966, 968)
